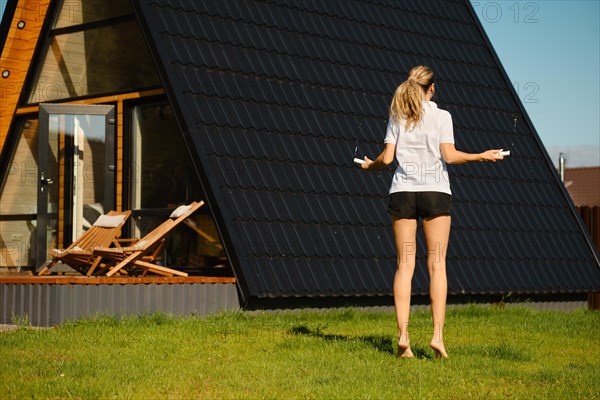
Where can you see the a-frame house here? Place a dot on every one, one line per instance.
(258, 107)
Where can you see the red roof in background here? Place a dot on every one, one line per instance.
(583, 185)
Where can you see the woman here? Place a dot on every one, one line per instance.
(421, 137)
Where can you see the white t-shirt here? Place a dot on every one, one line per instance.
(421, 167)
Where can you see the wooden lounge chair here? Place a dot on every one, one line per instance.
(79, 255)
(142, 253)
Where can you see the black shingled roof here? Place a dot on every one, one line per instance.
(272, 96)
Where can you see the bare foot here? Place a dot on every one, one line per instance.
(404, 351)
(438, 349)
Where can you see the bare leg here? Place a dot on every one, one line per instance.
(405, 231)
(437, 233)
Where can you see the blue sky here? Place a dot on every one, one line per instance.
(551, 52)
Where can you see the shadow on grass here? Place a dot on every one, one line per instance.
(379, 342)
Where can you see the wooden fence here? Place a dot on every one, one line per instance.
(591, 218)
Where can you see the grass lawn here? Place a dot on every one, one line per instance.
(495, 353)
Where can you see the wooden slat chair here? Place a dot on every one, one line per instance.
(142, 254)
(79, 255)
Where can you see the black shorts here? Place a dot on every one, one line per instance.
(415, 205)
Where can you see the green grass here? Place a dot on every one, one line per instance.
(495, 353)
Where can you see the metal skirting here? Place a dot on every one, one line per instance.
(52, 304)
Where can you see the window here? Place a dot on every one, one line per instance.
(163, 174)
(162, 177)
(87, 58)
(77, 12)
(18, 202)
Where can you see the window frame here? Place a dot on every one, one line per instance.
(48, 33)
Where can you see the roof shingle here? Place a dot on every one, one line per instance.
(276, 94)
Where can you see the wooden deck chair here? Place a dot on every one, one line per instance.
(79, 255)
(122, 259)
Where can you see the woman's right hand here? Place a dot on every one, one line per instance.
(368, 162)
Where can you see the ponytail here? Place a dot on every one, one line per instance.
(407, 103)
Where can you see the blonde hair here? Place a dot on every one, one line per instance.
(407, 103)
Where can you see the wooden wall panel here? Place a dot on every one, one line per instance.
(16, 57)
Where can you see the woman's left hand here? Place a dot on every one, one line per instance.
(492, 155)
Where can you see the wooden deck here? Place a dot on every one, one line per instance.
(84, 280)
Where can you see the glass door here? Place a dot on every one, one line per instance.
(76, 172)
